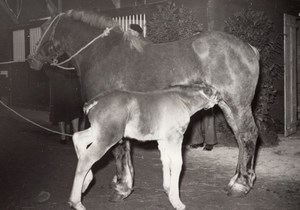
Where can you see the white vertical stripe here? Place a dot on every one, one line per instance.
(125, 21)
(144, 25)
(35, 35)
(19, 45)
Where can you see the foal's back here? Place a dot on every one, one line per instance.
(149, 115)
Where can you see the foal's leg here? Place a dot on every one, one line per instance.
(86, 159)
(81, 140)
(174, 154)
(162, 146)
(123, 180)
(246, 133)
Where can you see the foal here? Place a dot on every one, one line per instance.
(161, 115)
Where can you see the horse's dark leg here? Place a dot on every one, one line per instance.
(123, 180)
(242, 123)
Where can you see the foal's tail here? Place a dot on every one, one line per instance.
(88, 105)
(255, 50)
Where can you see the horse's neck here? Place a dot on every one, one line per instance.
(75, 36)
(87, 40)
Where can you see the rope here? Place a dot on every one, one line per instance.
(34, 123)
(9, 62)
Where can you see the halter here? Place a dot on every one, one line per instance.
(55, 61)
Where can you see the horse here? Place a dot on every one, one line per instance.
(107, 58)
(161, 115)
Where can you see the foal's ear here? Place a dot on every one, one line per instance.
(52, 10)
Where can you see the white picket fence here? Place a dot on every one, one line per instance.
(139, 19)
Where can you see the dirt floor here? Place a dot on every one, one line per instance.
(37, 173)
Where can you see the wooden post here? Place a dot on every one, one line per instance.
(290, 77)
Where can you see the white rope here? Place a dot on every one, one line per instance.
(105, 33)
(34, 123)
(9, 62)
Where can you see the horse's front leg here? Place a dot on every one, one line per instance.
(123, 180)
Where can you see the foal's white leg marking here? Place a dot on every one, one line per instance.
(165, 165)
(175, 156)
(81, 140)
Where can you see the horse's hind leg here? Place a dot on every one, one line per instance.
(123, 180)
(243, 125)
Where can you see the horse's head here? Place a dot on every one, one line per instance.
(47, 49)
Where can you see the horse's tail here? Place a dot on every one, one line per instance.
(255, 50)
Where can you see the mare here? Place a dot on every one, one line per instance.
(161, 115)
(106, 58)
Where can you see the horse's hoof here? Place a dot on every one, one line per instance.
(237, 190)
(117, 197)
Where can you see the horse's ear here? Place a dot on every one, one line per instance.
(51, 8)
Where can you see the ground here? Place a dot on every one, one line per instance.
(37, 173)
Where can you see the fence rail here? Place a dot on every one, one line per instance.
(125, 21)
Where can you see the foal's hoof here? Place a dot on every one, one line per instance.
(237, 190)
(77, 206)
(179, 206)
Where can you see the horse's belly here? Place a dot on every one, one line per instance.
(141, 134)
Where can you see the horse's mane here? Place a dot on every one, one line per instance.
(135, 40)
(101, 21)
(92, 18)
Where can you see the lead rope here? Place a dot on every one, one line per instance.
(59, 65)
(34, 123)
